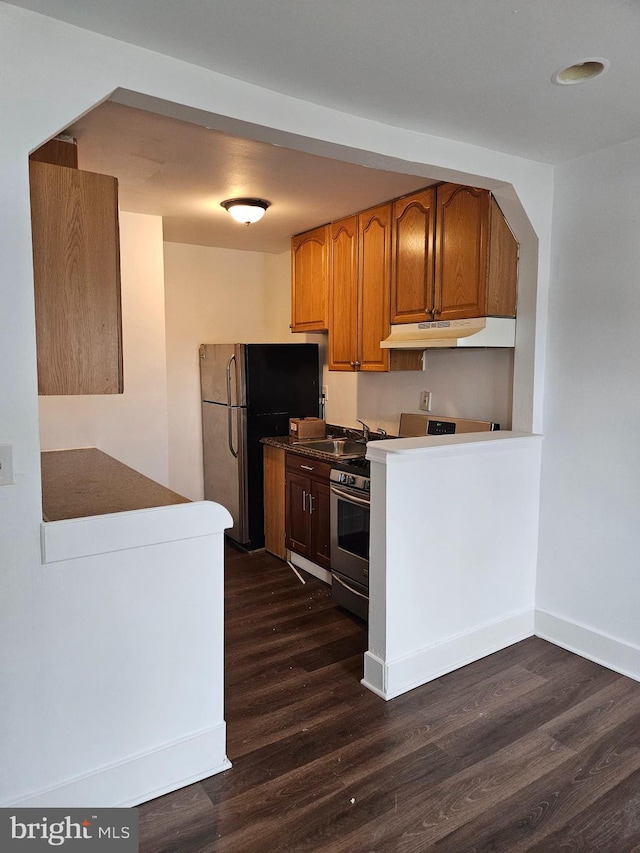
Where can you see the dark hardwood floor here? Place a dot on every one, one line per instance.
(532, 748)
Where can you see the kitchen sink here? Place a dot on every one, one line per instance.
(335, 446)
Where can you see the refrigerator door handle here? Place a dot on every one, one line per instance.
(229, 363)
(230, 413)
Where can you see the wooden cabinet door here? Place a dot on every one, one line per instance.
(462, 224)
(309, 281)
(76, 267)
(412, 259)
(502, 276)
(374, 261)
(298, 515)
(321, 530)
(274, 500)
(343, 294)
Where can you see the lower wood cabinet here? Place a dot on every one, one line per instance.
(274, 500)
(307, 509)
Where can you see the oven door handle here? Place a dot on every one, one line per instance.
(350, 588)
(349, 497)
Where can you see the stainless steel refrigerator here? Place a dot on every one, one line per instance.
(249, 392)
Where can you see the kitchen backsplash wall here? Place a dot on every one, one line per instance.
(463, 383)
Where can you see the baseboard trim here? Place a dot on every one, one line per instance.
(139, 778)
(395, 677)
(597, 646)
(310, 567)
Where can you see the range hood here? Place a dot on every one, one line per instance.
(479, 332)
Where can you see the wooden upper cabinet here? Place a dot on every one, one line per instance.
(412, 262)
(476, 256)
(60, 152)
(343, 294)
(359, 270)
(374, 261)
(309, 281)
(76, 259)
(445, 252)
(502, 275)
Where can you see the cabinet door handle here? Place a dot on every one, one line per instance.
(307, 467)
(304, 501)
(311, 500)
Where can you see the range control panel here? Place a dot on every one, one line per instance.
(415, 426)
(441, 428)
(355, 481)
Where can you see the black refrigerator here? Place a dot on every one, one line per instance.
(249, 392)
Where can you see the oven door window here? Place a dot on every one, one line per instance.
(353, 528)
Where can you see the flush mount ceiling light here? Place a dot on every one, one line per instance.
(580, 72)
(246, 210)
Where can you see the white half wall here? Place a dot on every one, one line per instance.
(588, 577)
(128, 623)
(131, 426)
(454, 526)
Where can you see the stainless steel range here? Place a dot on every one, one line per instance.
(350, 510)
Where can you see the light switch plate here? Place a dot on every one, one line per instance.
(6, 465)
(425, 401)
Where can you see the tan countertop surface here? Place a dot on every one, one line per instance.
(83, 482)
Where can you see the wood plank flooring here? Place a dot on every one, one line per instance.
(532, 748)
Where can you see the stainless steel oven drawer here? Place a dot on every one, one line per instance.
(351, 595)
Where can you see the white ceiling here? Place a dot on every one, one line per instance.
(478, 71)
(182, 171)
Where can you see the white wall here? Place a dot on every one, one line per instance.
(214, 296)
(474, 384)
(590, 534)
(131, 426)
(52, 73)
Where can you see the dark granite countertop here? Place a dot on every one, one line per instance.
(301, 448)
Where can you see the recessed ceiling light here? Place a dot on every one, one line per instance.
(580, 72)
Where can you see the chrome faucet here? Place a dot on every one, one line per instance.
(366, 431)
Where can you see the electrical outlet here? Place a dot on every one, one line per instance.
(6, 465)
(325, 396)
(425, 401)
